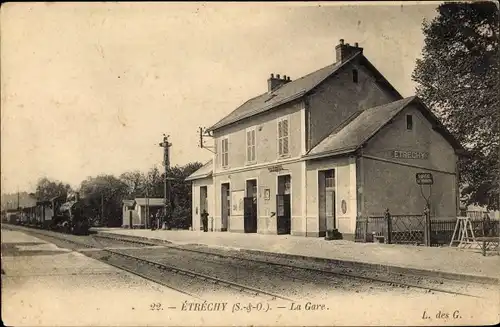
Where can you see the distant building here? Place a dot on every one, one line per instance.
(315, 153)
(135, 211)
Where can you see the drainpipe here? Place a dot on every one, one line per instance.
(308, 142)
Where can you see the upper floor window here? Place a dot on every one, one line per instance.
(251, 145)
(225, 152)
(355, 76)
(409, 122)
(283, 133)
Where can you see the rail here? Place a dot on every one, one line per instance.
(216, 280)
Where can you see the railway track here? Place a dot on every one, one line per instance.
(244, 288)
(97, 245)
(389, 282)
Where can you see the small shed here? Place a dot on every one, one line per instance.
(130, 217)
(135, 212)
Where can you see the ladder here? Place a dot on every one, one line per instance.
(464, 233)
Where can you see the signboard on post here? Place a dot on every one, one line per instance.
(424, 179)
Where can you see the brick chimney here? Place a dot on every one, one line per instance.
(274, 82)
(344, 51)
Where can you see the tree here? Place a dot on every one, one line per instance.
(103, 198)
(458, 79)
(135, 181)
(181, 194)
(47, 189)
(139, 184)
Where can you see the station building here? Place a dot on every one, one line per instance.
(316, 153)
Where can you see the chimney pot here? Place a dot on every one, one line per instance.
(342, 41)
(288, 77)
(356, 44)
(275, 82)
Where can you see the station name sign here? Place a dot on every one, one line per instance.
(409, 154)
(275, 169)
(424, 179)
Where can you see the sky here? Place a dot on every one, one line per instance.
(90, 88)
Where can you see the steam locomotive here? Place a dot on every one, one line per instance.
(71, 218)
(58, 214)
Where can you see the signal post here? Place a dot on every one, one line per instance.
(166, 181)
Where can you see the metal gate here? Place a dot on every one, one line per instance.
(250, 214)
(283, 213)
(404, 229)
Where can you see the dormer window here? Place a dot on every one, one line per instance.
(355, 76)
(409, 122)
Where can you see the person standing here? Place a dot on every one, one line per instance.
(158, 219)
(204, 220)
(152, 222)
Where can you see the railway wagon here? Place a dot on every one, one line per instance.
(46, 210)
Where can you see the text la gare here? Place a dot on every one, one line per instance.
(309, 306)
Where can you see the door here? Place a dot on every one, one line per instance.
(203, 204)
(250, 207)
(283, 205)
(225, 197)
(330, 209)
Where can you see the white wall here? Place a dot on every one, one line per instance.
(345, 179)
(196, 218)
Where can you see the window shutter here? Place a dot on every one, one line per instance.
(249, 153)
(227, 152)
(224, 152)
(285, 127)
(254, 141)
(221, 155)
(285, 145)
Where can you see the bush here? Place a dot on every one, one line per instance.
(181, 218)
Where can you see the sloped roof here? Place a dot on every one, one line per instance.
(363, 125)
(150, 201)
(129, 203)
(294, 90)
(205, 171)
(285, 93)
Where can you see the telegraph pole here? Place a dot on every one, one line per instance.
(166, 181)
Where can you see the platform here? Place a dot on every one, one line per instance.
(444, 262)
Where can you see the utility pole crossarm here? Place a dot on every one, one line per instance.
(204, 134)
